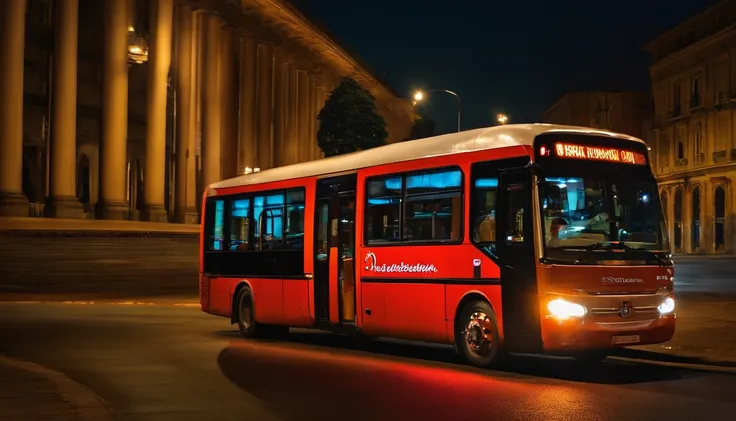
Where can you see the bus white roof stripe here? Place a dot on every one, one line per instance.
(467, 141)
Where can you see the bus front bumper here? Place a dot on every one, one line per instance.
(560, 336)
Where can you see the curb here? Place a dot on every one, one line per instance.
(88, 404)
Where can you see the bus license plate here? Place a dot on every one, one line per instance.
(625, 340)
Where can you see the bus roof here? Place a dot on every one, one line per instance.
(467, 141)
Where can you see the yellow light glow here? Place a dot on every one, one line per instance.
(135, 49)
(418, 96)
(502, 118)
(131, 28)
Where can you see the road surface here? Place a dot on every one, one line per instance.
(168, 362)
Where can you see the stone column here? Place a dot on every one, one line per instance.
(313, 111)
(229, 107)
(247, 107)
(12, 39)
(211, 102)
(185, 207)
(63, 202)
(303, 112)
(154, 174)
(264, 127)
(320, 104)
(280, 106)
(291, 143)
(113, 148)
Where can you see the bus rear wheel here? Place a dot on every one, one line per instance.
(476, 335)
(247, 324)
(246, 317)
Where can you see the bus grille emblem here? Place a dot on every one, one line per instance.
(625, 310)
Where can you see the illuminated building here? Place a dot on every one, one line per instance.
(125, 109)
(622, 112)
(694, 129)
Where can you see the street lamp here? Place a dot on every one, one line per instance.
(502, 118)
(419, 96)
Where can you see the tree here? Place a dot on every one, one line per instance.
(349, 122)
(423, 127)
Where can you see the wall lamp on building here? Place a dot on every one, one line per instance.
(137, 47)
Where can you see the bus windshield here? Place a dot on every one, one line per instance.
(586, 214)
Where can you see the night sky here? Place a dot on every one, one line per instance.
(515, 57)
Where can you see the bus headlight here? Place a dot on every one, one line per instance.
(668, 306)
(563, 309)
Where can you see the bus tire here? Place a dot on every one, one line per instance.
(245, 313)
(247, 324)
(477, 337)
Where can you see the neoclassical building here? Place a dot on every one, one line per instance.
(694, 150)
(125, 109)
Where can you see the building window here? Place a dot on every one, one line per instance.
(720, 218)
(677, 99)
(699, 144)
(695, 94)
(680, 146)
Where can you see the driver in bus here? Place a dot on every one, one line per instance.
(553, 239)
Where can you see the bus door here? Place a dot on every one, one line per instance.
(334, 263)
(520, 302)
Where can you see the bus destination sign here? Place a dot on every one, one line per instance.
(597, 153)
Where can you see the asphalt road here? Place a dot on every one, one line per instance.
(176, 363)
(712, 276)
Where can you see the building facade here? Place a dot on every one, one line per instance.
(694, 129)
(125, 109)
(622, 112)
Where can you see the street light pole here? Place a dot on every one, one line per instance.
(419, 96)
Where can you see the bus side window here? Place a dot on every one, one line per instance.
(433, 206)
(515, 213)
(383, 210)
(268, 213)
(240, 224)
(294, 219)
(484, 211)
(215, 225)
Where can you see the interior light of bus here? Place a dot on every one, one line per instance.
(667, 307)
(563, 309)
(598, 153)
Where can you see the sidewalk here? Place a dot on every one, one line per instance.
(705, 334)
(30, 392)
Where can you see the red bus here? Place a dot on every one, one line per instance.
(512, 239)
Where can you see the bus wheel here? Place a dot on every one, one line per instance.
(477, 335)
(246, 318)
